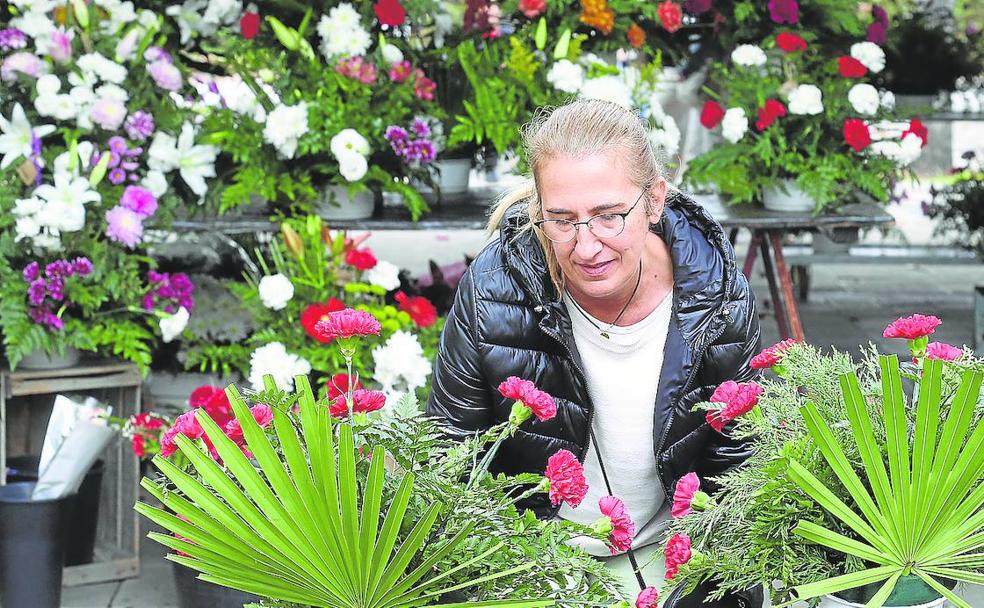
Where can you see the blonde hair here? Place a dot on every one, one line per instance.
(577, 130)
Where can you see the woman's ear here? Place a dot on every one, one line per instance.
(657, 199)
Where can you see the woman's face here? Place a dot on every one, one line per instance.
(576, 190)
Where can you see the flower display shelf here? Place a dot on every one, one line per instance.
(25, 402)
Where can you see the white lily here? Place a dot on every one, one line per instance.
(194, 162)
(18, 135)
(64, 208)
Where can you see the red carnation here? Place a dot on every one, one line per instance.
(249, 25)
(678, 552)
(712, 114)
(362, 259)
(339, 384)
(942, 351)
(314, 313)
(683, 495)
(851, 68)
(917, 128)
(532, 400)
(347, 323)
(146, 420)
(912, 328)
(389, 12)
(200, 396)
(419, 308)
(532, 8)
(647, 598)
(363, 401)
(566, 479)
(137, 443)
(856, 134)
(736, 400)
(790, 42)
(770, 357)
(670, 16)
(768, 114)
(622, 529)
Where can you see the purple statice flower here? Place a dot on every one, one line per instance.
(156, 53)
(58, 268)
(165, 74)
(82, 266)
(44, 316)
(139, 125)
(784, 11)
(12, 39)
(31, 271)
(420, 127)
(877, 33)
(21, 63)
(36, 292)
(56, 288)
(880, 15)
(697, 7)
(124, 226)
(139, 200)
(148, 301)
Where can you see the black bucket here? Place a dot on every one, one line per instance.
(83, 507)
(32, 547)
(194, 593)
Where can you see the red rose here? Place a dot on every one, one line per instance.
(712, 114)
(856, 134)
(566, 477)
(532, 8)
(362, 259)
(678, 552)
(790, 42)
(912, 328)
(768, 113)
(249, 25)
(916, 127)
(670, 16)
(389, 12)
(319, 312)
(850, 67)
(339, 384)
(419, 308)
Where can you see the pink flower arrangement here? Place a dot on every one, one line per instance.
(565, 479)
(616, 521)
(913, 327)
(529, 400)
(736, 399)
(347, 323)
(771, 356)
(216, 404)
(647, 598)
(678, 552)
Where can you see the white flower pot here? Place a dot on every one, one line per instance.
(788, 197)
(829, 601)
(336, 204)
(39, 360)
(453, 175)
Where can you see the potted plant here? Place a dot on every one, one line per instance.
(91, 141)
(823, 136)
(855, 493)
(958, 205)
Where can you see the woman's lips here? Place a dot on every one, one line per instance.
(596, 270)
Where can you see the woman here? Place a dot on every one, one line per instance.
(621, 298)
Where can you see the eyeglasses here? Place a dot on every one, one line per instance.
(603, 225)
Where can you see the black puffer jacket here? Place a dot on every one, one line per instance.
(507, 320)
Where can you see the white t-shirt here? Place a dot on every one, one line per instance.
(622, 372)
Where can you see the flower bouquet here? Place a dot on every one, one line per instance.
(94, 152)
(819, 129)
(854, 490)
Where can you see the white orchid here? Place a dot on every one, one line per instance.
(194, 162)
(64, 208)
(17, 136)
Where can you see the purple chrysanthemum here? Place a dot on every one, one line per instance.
(421, 128)
(12, 39)
(139, 125)
(58, 268)
(36, 292)
(116, 176)
(395, 133)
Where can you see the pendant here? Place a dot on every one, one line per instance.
(605, 335)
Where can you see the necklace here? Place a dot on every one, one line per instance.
(604, 332)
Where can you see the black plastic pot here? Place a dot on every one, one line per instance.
(82, 509)
(194, 593)
(32, 547)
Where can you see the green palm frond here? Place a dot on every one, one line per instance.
(298, 527)
(924, 512)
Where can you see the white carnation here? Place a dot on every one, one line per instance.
(734, 125)
(864, 98)
(566, 76)
(284, 127)
(806, 99)
(903, 152)
(349, 141)
(275, 291)
(342, 34)
(273, 359)
(888, 100)
(608, 88)
(870, 54)
(353, 167)
(173, 325)
(748, 55)
(384, 274)
(400, 363)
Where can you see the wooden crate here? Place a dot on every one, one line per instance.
(26, 398)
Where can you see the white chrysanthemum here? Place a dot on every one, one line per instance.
(342, 33)
(384, 274)
(50, 102)
(173, 325)
(349, 141)
(566, 76)
(353, 167)
(734, 124)
(273, 359)
(400, 363)
(284, 127)
(864, 99)
(608, 88)
(870, 54)
(95, 65)
(806, 99)
(275, 291)
(35, 23)
(748, 55)
(667, 137)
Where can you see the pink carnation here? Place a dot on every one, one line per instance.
(942, 351)
(363, 402)
(347, 323)
(186, 424)
(647, 598)
(623, 530)
(678, 553)
(263, 416)
(566, 475)
(683, 495)
(540, 403)
(771, 356)
(736, 399)
(911, 328)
